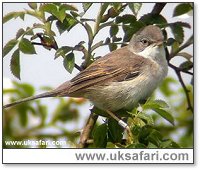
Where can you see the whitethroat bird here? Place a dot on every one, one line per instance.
(120, 79)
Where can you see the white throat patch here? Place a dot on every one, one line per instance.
(155, 53)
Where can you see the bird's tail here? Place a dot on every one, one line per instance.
(60, 91)
(43, 95)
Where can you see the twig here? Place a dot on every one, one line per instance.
(158, 8)
(179, 69)
(178, 73)
(185, 89)
(44, 45)
(87, 130)
(78, 67)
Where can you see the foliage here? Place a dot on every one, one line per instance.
(18, 120)
(144, 121)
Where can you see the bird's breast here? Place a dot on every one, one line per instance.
(126, 94)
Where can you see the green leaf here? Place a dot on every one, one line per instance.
(178, 33)
(62, 11)
(175, 46)
(29, 31)
(53, 9)
(13, 15)
(98, 44)
(183, 24)
(19, 33)
(169, 144)
(24, 89)
(140, 145)
(185, 55)
(32, 5)
(187, 65)
(9, 16)
(166, 115)
(42, 110)
(69, 62)
(23, 116)
(161, 103)
(116, 5)
(68, 7)
(182, 9)
(68, 23)
(128, 19)
(86, 6)
(112, 46)
(62, 51)
(145, 118)
(61, 15)
(89, 31)
(155, 104)
(135, 7)
(118, 19)
(26, 46)
(15, 64)
(9, 46)
(155, 137)
(135, 130)
(100, 136)
(115, 131)
(150, 19)
(50, 8)
(144, 133)
(21, 15)
(116, 39)
(113, 30)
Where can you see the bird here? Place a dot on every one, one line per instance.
(120, 79)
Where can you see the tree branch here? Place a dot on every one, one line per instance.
(178, 73)
(158, 8)
(87, 130)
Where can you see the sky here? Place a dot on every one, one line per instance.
(42, 70)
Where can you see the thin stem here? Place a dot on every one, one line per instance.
(87, 130)
(179, 69)
(78, 67)
(185, 89)
(178, 73)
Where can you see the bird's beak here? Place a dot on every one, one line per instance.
(159, 43)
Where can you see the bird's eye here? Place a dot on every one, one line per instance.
(145, 42)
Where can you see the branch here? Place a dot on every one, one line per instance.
(158, 8)
(78, 67)
(179, 69)
(178, 73)
(87, 130)
(185, 89)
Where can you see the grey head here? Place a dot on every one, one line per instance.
(148, 36)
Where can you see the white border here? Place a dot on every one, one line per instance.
(119, 156)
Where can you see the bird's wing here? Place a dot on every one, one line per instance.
(105, 70)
